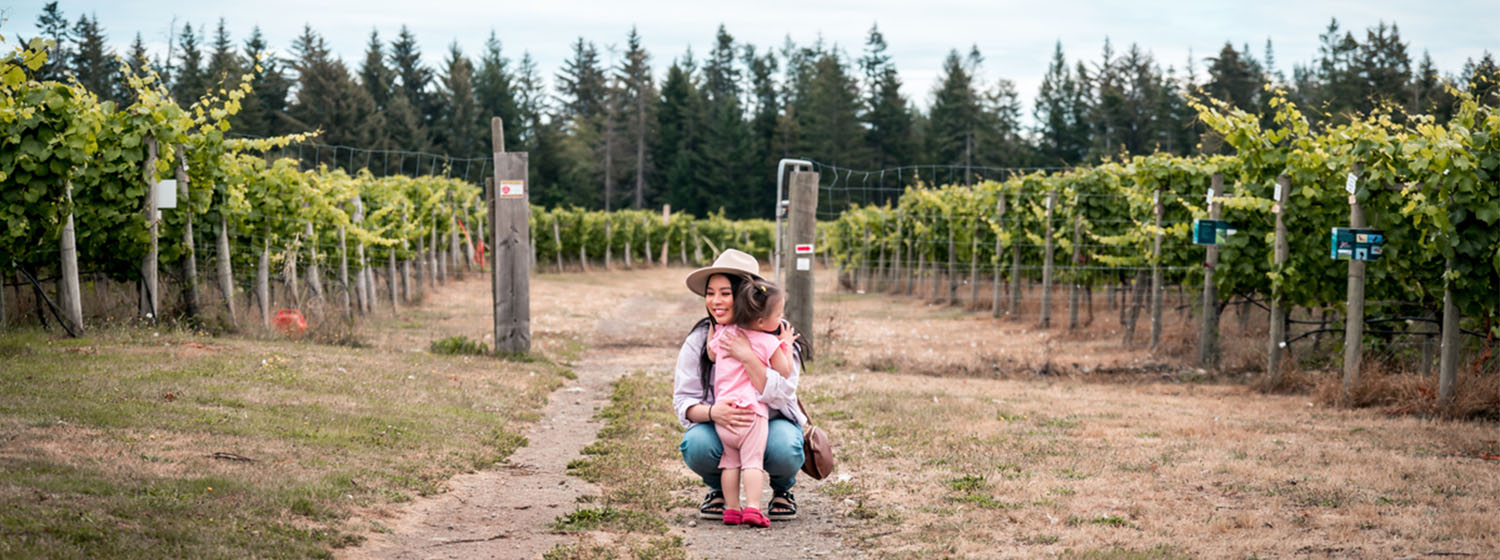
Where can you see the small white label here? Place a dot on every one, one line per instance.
(1276, 208)
(1156, 198)
(1209, 198)
(166, 194)
(512, 189)
(804, 263)
(1349, 184)
(1277, 196)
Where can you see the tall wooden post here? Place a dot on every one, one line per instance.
(1354, 318)
(1448, 352)
(511, 216)
(974, 266)
(1277, 342)
(344, 270)
(314, 276)
(150, 298)
(263, 282)
(898, 273)
(1208, 334)
(1077, 259)
(995, 310)
(189, 257)
(802, 230)
(952, 269)
(226, 275)
(67, 286)
(1156, 275)
(1047, 264)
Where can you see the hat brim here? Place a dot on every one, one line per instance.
(697, 281)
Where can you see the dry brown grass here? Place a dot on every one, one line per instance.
(966, 436)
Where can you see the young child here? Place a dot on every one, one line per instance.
(757, 313)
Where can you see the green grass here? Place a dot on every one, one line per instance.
(640, 434)
(107, 440)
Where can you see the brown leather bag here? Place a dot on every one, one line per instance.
(817, 449)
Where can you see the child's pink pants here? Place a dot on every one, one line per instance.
(744, 447)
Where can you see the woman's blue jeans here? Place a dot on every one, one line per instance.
(701, 450)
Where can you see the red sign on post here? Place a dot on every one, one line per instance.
(805, 249)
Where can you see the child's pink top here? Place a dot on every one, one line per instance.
(731, 383)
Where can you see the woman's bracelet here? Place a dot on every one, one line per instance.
(710, 413)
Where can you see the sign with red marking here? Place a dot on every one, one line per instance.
(805, 249)
(512, 189)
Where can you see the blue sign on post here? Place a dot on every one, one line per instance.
(1356, 244)
(1211, 232)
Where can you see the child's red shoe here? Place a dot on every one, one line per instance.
(733, 516)
(752, 517)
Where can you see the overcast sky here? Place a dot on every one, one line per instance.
(1015, 38)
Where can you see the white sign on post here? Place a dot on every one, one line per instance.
(1349, 185)
(166, 194)
(804, 263)
(1277, 196)
(512, 189)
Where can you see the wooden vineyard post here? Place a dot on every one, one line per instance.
(190, 257)
(1015, 273)
(149, 296)
(557, 241)
(67, 286)
(226, 273)
(1073, 274)
(314, 276)
(1277, 342)
(344, 269)
(898, 274)
(1208, 334)
(802, 231)
(263, 282)
(511, 218)
(1354, 318)
(1448, 352)
(995, 310)
(952, 270)
(974, 266)
(390, 277)
(1156, 276)
(1047, 264)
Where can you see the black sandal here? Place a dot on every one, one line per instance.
(712, 506)
(783, 506)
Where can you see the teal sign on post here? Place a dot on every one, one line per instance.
(1356, 244)
(1211, 232)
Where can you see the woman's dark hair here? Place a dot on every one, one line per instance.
(736, 285)
(752, 302)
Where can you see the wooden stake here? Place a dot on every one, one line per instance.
(150, 296)
(512, 240)
(1277, 339)
(1208, 334)
(1047, 264)
(190, 256)
(69, 294)
(1354, 317)
(1156, 277)
(995, 309)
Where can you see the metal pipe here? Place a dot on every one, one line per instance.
(781, 208)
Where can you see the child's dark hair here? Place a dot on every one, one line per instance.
(752, 302)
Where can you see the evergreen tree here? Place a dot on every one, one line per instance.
(189, 80)
(764, 150)
(413, 80)
(1482, 79)
(681, 121)
(224, 66)
(1000, 139)
(726, 158)
(93, 61)
(885, 115)
(263, 111)
(458, 129)
(54, 27)
(1336, 85)
(374, 75)
(1384, 64)
(1231, 78)
(830, 123)
(138, 59)
(328, 99)
(494, 91)
(1062, 129)
(639, 96)
(538, 135)
(1428, 96)
(581, 83)
(954, 117)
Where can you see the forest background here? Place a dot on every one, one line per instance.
(630, 135)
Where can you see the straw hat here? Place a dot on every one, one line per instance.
(731, 261)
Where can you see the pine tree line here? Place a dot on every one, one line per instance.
(608, 135)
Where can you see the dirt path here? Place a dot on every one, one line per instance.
(505, 512)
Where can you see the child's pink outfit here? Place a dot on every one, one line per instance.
(744, 447)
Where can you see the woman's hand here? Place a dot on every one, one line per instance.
(731, 416)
